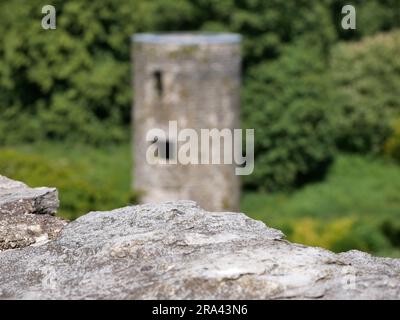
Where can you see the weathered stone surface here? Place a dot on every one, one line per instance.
(177, 250)
(26, 214)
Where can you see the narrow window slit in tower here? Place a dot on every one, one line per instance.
(167, 151)
(158, 82)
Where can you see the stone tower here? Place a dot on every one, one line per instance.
(193, 79)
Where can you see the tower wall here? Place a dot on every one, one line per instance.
(193, 79)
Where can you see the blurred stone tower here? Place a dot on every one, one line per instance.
(193, 79)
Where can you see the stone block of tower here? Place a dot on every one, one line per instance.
(193, 79)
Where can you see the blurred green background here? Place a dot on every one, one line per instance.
(325, 103)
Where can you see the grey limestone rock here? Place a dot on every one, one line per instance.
(26, 214)
(176, 250)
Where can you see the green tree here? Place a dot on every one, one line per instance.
(72, 82)
(289, 103)
(366, 76)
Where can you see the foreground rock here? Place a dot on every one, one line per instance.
(26, 214)
(178, 251)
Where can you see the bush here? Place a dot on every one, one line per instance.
(78, 193)
(315, 233)
(391, 229)
(343, 234)
(288, 103)
(73, 83)
(367, 76)
(362, 236)
(392, 145)
(355, 207)
(70, 83)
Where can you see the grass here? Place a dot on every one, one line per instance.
(356, 207)
(355, 186)
(359, 196)
(88, 178)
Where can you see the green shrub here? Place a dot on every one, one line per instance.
(78, 192)
(362, 236)
(392, 145)
(355, 207)
(70, 83)
(288, 103)
(325, 234)
(343, 234)
(391, 229)
(367, 78)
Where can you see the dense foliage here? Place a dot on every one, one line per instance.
(355, 207)
(367, 76)
(289, 104)
(392, 145)
(303, 93)
(93, 182)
